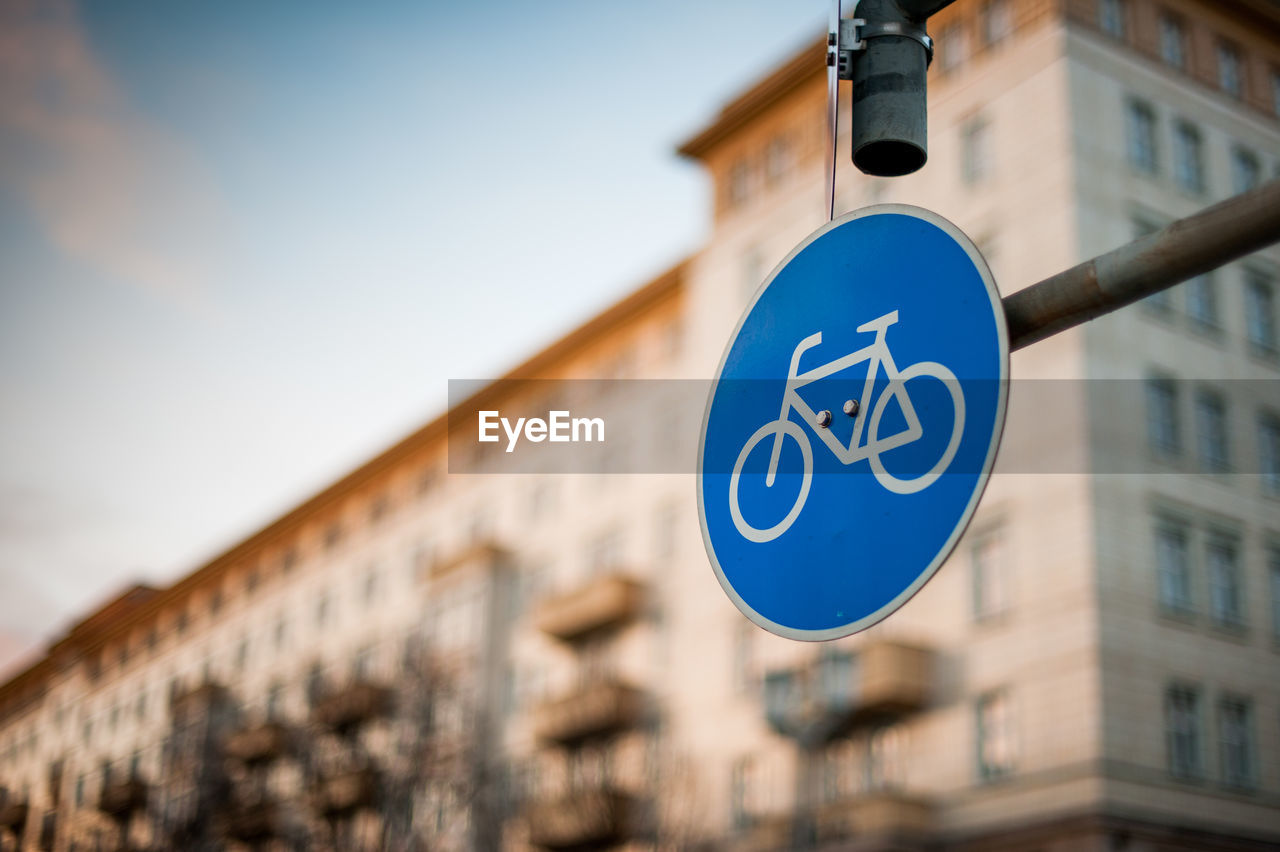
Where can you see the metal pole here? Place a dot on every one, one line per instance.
(1185, 249)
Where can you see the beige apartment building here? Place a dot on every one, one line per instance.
(435, 654)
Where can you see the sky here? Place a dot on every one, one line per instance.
(245, 245)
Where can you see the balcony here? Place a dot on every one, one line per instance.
(772, 833)
(580, 819)
(879, 820)
(836, 692)
(346, 790)
(259, 744)
(122, 798)
(346, 709)
(602, 603)
(13, 812)
(896, 678)
(482, 556)
(48, 832)
(252, 820)
(599, 708)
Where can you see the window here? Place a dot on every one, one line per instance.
(1246, 173)
(1141, 123)
(995, 736)
(322, 610)
(315, 684)
(275, 698)
(1260, 310)
(739, 175)
(251, 581)
(1235, 737)
(1275, 92)
(1111, 15)
(1162, 416)
(838, 766)
(1211, 427)
(242, 654)
(741, 794)
(1269, 451)
(1182, 731)
(1226, 601)
(997, 22)
(778, 158)
(282, 631)
(371, 586)
(215, 602)
(427, 479)
(1188, 157)
(836, 676)
(1273, 568)
(885, 767)
(953, 47)
(975, 154)
(1202, 301)
(332, 535)
(1173, 41)
(1173, 565)
(990, 576)
(1230, 79)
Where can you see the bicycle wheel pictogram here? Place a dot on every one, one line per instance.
(778, 429)
(910, 484)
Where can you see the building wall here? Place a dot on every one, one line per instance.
(1029, 156)
(1146, 648)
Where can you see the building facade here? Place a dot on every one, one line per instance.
(428, 654)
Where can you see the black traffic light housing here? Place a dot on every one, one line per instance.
(885, 52)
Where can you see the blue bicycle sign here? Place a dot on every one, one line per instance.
(888, 315)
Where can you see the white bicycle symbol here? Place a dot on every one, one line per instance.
(878, 354)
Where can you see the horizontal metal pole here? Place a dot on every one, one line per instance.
(1188, 247)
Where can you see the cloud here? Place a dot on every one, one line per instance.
(113, 191)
